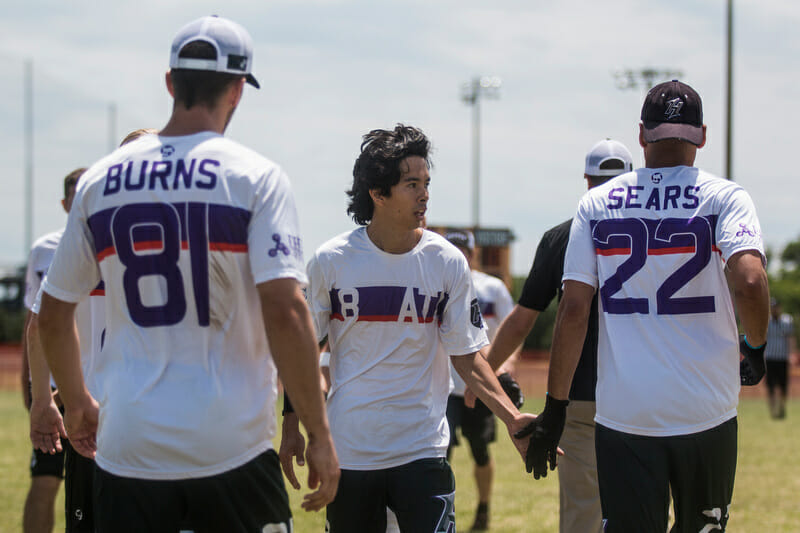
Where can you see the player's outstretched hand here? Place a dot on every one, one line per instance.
(752, 366)
(47, 426)
(293, 446)
(545, 432)
(80, 421)
(323, 472)
(512, 389)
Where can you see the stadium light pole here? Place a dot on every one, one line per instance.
(471, 93)
(729, 103)
(28, 149)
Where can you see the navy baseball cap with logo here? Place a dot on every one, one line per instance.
(231, 41)
(673, 110)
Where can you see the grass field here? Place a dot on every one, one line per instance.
(767, 483)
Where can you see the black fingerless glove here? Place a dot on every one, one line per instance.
(545, 433)
(752, 368)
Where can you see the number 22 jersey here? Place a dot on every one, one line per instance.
(654, 243)
(182, 229)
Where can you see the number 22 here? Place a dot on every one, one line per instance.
(615, 236)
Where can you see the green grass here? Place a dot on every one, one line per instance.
(765, 499)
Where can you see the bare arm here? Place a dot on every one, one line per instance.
(480, 378)
(510, 335)
(59, 340)
(290, 333)
(568, 337)
(46, 424)
(751, 293)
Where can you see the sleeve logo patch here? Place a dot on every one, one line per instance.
(475, 314)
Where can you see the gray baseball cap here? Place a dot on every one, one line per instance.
(231, 41)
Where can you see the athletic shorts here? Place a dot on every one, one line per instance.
(45, 464)
(477, 425)
(777, 375)
(248, 498)
(78, 491)
(636, 474)
(420, 493)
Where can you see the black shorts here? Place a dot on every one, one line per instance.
(45, 464)
(477, 425)
(78, 491)
(637, 473)
(420, 493)
(248, 498)
(777, 375)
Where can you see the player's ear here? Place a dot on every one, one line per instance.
(377, 197)
(235, 92)
(704, 137)
(168, 81)
(642, 142)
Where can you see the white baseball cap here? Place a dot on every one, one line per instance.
(608, 158)
(461, 238)
(231, 41)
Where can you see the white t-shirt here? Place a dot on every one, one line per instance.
(39, 260)
(181, 229)
(391, 320)
(655, 242)
(496, 303)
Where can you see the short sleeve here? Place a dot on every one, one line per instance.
(462, 330)
(544, 279)
(738, 228)
(580, 260)
(274, 245)
(318, 298)
(74, 271)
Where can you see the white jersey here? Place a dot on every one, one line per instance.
(655, 242)
(779, 333)
(495, 302)
(391, 320)
(39, 260)
(181, 229)
(42, 252)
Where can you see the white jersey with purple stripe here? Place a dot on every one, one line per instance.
(391, 321)
(181, 229)
(495, 302)
(42, 252)
(654, 242)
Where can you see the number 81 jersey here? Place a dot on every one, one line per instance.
(182, 229)
(654, 243)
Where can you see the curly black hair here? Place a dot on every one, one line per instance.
(378, 166)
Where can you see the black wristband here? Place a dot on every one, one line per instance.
(287, 404)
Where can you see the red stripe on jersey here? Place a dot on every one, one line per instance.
(98, 292)
(613, 251)
(105, 253)
(147, 245)
(675, 250)
(226, 247)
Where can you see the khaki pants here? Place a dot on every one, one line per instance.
(579, 496)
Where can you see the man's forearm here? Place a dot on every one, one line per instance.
(751, 293)
(60, 345)
(480, 378)
(296, 355)
(568, 337)
(40, 372)
(510, 335)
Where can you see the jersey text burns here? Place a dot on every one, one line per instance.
(164, 175)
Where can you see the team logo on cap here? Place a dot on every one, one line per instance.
(237, 62)
(656, 177)
(673, 108)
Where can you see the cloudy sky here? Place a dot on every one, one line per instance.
(332, 70)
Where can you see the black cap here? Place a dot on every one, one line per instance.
(673, 110)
